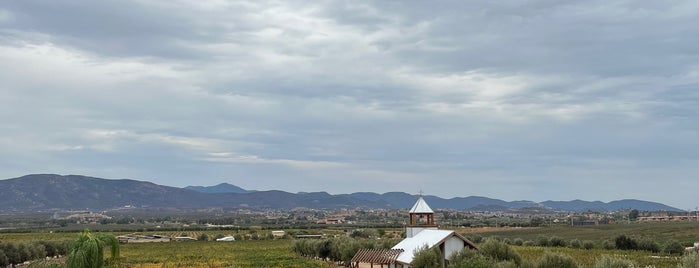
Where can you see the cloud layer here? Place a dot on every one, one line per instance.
(532, 100)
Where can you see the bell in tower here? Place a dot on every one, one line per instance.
(421, 218)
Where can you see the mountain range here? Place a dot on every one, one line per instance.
(40, 192)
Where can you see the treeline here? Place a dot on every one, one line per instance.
(621, 242)
(16, 253)
(338, 250)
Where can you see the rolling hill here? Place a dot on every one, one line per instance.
(39, 192)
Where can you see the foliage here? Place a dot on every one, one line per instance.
(588, 244)
(575, 243)
(674, 247)
(556, 241)
(88, 250)
(337, 249)
(518, 241)
(607, 261)
(633, 215)
(499, 251)
(19, 252)
(426, 257)
(555, 260)
(467, 258)
(690, 260)
(648, 245)
(624, 242)
(203, 237)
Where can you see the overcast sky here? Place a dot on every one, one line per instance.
(536, 100)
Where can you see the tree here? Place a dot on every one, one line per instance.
(674, 247)
(88, 250)
(428, 258)
(633, 215)
(203, 237)
(625, 243)
(499, 251)
(467, 258)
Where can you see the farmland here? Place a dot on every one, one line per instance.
(261, 251)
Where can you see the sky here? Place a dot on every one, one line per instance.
(516, 100)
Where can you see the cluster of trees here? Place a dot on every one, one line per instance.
(624, 242)
(16, 253)
(338, 250)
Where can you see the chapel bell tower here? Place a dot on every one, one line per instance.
(421, 218)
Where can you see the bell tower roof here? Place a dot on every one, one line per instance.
(421, 207)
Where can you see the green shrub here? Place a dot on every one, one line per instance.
(612, 262)
(467, 258)
(556, 241)
(624, 242)
(428, 258)
(673, 247)
(555, 260)
(529, 243)
(542, 241)
(588, 244)
(499, 251)
(518, 242)
(649, 245)
(690, 260)
(575, 243)
(606, 244)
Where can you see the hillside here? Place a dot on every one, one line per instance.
(49, 191)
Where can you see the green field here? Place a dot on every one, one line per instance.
(277, 253)
(265, 253)
(661, 232)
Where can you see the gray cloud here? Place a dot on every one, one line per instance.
(532, 100)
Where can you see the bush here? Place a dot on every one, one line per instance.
(690, 260)
(612, 262)
(606, 244)
(555, 260)
(499, 251)
(649, 245)
(518, 242)
(529, 243)
(625, 243)
(674, 247)
(428, 258)
(588, 244)
(4, 261)
(556, 241)
(542, 241)
(203, 237)
(575, 243)
(467, 258)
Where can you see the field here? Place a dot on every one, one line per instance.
(661, 232)
(276, 253)
(264, 253)
(587, 258)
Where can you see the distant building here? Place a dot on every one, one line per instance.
(278, 233)
(421, 231)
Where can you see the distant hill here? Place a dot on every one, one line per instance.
(220, 188)
(49, 191)
(580, 205)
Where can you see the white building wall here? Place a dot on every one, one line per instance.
(451, 246)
